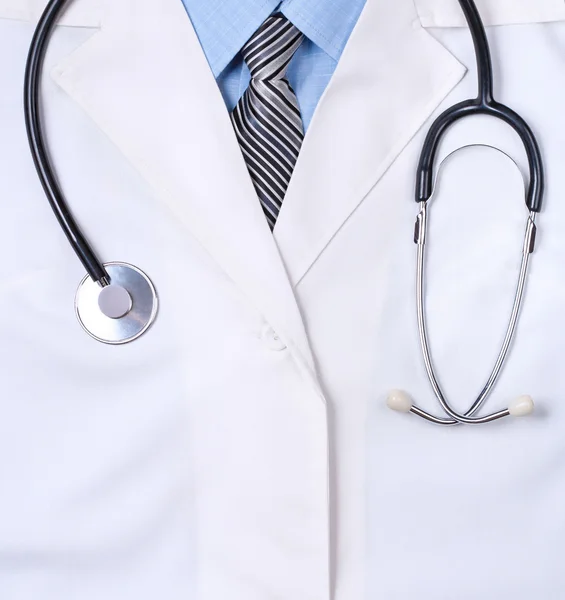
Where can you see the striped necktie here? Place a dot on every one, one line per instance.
(267, 119)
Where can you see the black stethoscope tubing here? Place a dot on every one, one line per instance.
(484, 104)
(33, 119)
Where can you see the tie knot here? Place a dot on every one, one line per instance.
(270, 49)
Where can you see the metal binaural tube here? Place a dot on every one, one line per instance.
(454, 416)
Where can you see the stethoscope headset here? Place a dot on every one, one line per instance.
(116, 302)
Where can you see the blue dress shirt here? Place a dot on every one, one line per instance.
(223, 27)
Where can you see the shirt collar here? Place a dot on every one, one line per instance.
(223, 26)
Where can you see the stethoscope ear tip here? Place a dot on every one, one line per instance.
(523, 406)
(399, 401)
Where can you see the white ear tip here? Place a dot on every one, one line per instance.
(399, 401)
(521, 407)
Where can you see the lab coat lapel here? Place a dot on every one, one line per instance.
(145, 81)
(391, 77)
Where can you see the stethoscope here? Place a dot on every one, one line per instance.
(116, 302)
(484, 104)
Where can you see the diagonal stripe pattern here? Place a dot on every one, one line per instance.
(267, 119)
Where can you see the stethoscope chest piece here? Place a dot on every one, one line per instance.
(121, 311)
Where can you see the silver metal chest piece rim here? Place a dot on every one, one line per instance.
(112, 329)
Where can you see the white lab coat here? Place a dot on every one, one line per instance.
(242, 448)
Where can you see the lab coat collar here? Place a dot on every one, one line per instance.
(154, 95)
(391, 77)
